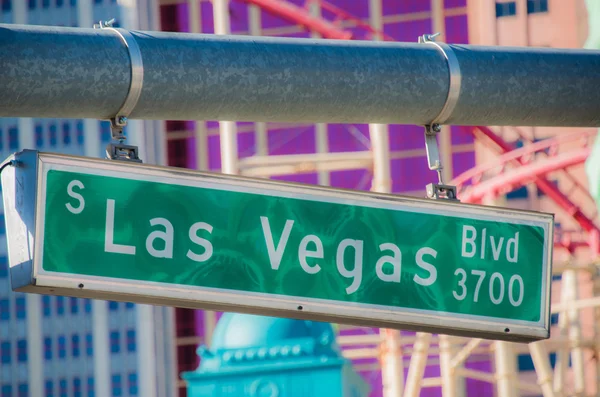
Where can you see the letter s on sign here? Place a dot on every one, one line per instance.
(76, 196)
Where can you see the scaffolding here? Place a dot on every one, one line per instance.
(575, 340)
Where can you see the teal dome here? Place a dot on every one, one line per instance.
(239, 331)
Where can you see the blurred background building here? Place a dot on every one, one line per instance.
(118, 349)
(68, 347)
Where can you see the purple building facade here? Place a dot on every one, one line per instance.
(402, 20)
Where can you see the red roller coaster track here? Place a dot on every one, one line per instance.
(527, 171)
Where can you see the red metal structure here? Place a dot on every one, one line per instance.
(319, 24)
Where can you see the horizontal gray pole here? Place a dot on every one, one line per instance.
(85, 73)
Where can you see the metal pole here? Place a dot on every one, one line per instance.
(65, 72)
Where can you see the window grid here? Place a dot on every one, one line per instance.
(132, 383)
(116, 385)
(13, 138)
(48, 348)
(114, 342)
(4, 309)
(74, 303)
(22, 350)
(6, 5)
(62, 347)
(76, 387)
(60, 305)
(49, 388)
(130, 340)
(47, 309)
(506, 9)
(90, 386)
(23, 390)
(5, 353)
(3, 267)
(62, 388)
(89, 345)
(20, 308)
(39, 136)
(75, 345)
(537, 6)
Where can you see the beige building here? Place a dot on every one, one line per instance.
(560, 24)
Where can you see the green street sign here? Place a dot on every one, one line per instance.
(113, 230)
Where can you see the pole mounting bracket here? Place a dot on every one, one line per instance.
(433, 128)
(118, 150)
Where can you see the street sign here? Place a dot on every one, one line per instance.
(123, 231)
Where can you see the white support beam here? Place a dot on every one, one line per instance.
(541, 362)
(146, 351)
(417, 365)
(506, 371)
(229, 147)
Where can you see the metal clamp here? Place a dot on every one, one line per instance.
(119, 150)
(432, 129)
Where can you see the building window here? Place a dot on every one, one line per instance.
(79, 125)
(45, 3)
(90, 387)
(13, 138)
(76, 387)
(48, 349)
(23, 390)
(506, 9)
(4, 309)
(49, 388)
(62, 388)
(75, 344)
(20, 307)
(22, 350)
(46, 306)
(53, 139)
(116, 385)
(66, 130)
(7, 391)
(73, 302)
(129, 305)
(87, 305)
(32, 4)
(132, 384)
(62, 347)
(5, 353)
(39, 136)
(89, 345)
(59, 3)
(105, 135)
(6, 5)
(60, 305)
(113, 306)
(131, 340)
(536, 6)
(3, 267)
(114, 342)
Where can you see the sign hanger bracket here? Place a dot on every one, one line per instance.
(440, 190)
(118, 150)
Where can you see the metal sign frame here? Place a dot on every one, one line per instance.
(24, 198)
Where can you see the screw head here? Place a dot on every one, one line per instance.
(122, 119)
(436, 127)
